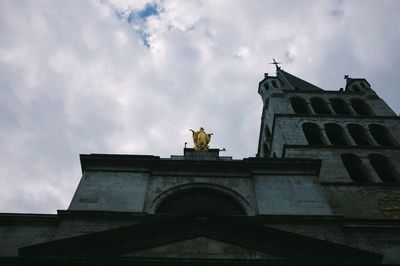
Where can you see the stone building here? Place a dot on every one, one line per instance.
(323, 189)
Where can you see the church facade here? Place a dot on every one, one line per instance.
(324, 188)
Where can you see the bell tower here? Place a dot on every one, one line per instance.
(352, 131)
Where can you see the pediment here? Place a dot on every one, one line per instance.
(199, 248)
(200, 236)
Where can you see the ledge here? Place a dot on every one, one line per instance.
(372, 117)
(347, 147)
(356, 184)
(153, 164)
(28, 218)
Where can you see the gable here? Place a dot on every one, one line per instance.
(210, 233)
(297, 83)
(199, 248)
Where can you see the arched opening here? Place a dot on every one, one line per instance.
(299, 105)
(358, 134)
(381, 135)
(320, 106)
(335, 134)
(354, 167)
(355, 88)
(364, 85)
(313, 134)
(361, 107)
(383, 168)
(340, 106)
(200, 200)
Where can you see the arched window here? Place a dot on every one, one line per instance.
(383, 168)
(313, 134)
(381, 135)
(364, 85)
(340, 106)
(335, 134)
(355, 88)
(354, 167)
(358, 134)
(200, 200)
(299, 105)
(361, 107)
(274, 83)
(320, 106)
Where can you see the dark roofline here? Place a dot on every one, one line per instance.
(291, 79)
(238, 168)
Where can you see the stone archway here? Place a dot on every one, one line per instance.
(200, 197)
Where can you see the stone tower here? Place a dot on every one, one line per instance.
(353, 131)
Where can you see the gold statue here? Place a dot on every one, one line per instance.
(201, 139)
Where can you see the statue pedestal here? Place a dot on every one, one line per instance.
(210, 154)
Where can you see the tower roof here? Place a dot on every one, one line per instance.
(295, 82)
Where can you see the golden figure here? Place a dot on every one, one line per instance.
(201, 139)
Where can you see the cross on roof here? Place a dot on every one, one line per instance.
(275, 63)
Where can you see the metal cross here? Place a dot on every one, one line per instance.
(275, 63)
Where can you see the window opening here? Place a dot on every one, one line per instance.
(320, 106)
(313, 134)
(299, 105)
(335, 134)
(340, 106)
(361, 107)
(363, 85)
(355, 88)
(200, 200)
(381, 135)
(354, 167)
(383, 168)
(358, 134)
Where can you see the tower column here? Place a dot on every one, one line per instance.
(352, 111)
(325, 137)
(331, 108)
(370, 138)
(310, 108)
(349, 139)
(372, 175)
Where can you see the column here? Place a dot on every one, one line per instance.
(349, 139)
(310, 109)
(331, 108)
(325, 137)
(370, 138)
(371, 173)
(351, 109)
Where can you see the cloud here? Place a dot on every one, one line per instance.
(115, 76)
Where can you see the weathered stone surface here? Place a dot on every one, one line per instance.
(202, 248)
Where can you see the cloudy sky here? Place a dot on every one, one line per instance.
(131, 77)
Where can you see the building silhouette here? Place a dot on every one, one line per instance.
(323, 189)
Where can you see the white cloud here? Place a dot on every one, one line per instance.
(76, 77)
